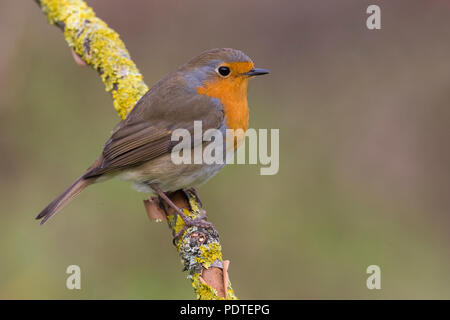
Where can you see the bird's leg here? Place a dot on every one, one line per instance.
(178, 211)
(188, 222)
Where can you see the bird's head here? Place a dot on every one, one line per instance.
(222, 72)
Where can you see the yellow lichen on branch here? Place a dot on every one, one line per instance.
(100, 47)
(200, 251)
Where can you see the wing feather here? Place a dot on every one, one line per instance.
(146, 133)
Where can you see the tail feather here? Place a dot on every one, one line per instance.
(63, 199)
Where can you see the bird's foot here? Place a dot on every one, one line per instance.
(199, 222)
(188, 222)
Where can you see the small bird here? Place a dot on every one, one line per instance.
(211, 88)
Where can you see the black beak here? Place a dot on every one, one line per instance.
(256, 72)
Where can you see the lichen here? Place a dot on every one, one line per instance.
(202, 290)
(209, 254)
(101, 48)
(199, 249)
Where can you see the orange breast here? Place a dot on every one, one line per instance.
(234, 100)
(232, 93)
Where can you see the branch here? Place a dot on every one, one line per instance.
(100, 47)
(199, 249)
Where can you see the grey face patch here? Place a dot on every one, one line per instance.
(196, 77)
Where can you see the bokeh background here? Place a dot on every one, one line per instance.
(364, 152)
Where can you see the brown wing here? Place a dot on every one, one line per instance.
(146, 133)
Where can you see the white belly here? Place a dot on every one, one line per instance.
(169, 176)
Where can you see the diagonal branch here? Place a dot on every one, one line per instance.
(100, 47)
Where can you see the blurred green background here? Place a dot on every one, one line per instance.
(364, 153)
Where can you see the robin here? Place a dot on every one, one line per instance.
(211, 88)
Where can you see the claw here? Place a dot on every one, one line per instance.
(188, 221)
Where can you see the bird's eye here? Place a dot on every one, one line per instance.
(223, 71)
